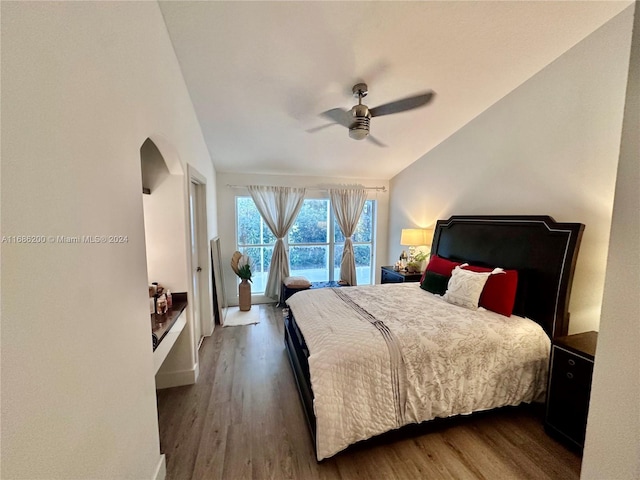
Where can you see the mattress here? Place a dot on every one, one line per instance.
(384, 356)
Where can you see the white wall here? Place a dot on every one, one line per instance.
(550, 147)
(83, 86)
(165, 240)
(227, 212)
(613, 431)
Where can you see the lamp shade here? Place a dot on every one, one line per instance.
(414, 237)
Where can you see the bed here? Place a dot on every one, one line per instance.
(370, 359)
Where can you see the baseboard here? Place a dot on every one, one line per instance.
(255, 300)
(209, 331)
(177, 378)
(161, 469)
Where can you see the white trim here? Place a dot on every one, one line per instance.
(205, 296)
(564, 257)
(161, 468)
(177, 378)
(195, 175)
(504, 220)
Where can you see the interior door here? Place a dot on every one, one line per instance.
(195, 262)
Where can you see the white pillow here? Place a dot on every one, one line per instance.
(297, 282)
(465, 287)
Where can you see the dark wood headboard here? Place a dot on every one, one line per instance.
(543, 251)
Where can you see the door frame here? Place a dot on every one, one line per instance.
(196, 180)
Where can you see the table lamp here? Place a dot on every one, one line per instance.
(412, 238)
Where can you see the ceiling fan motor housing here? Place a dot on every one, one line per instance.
(358, 119)
(359, 129)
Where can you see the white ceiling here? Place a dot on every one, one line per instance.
(259, 73)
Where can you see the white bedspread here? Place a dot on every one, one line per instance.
(422, 359)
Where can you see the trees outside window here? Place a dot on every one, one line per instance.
(315, 242)
(255, 240)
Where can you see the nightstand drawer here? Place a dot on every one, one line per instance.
(568, 395)
(574, 370)
(390, 277)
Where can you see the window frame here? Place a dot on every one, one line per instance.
(330, 244)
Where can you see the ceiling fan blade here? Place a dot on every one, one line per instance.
(339, 115)
(376, 141)
(315, 129)
(402, 105)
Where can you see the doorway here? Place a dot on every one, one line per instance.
(200, 260)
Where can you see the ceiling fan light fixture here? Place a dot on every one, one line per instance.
(358, 118)
(358, 133)
(359, 129)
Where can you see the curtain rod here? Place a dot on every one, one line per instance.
(377, 189)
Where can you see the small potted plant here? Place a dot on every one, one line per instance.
(413, 267)
(421, 259)
(241, 265)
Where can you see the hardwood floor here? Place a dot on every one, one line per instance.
(243, 420)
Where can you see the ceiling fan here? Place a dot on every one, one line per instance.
(358, 118)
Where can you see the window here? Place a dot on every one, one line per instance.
(255, 240)
(362, 245)
(315, 242)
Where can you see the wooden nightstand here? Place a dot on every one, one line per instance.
(389, 275)
(570, 386)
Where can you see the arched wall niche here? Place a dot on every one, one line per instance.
(165, 222)
(155, 166)
(168, 152)
(166, 230)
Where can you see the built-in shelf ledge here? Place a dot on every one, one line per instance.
(169, 339)
(166, 328)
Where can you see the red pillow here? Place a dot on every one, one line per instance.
(499, 293)
(441, 266)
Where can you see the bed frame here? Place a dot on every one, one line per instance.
(543, 251)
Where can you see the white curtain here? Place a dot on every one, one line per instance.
(279, 207)
(347, 204)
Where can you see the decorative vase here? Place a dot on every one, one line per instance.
(244, 294)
